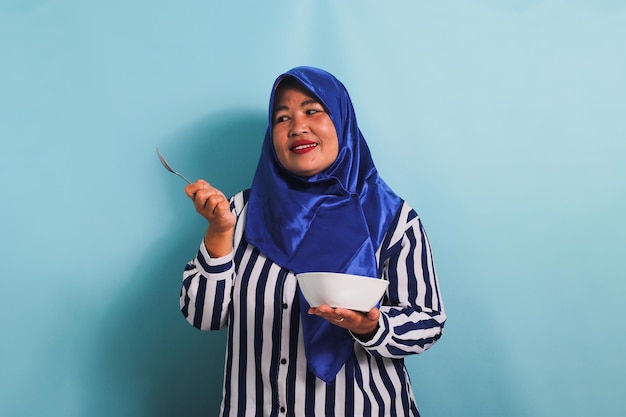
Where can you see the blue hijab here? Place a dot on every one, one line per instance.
(333, 221)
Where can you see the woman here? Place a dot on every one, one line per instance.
(316, 204)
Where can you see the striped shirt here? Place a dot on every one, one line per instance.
(266, 370)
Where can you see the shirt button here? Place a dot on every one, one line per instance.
(285, 306)
(283, 361)
(282, 409)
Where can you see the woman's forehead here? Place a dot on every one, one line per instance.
(283, 88)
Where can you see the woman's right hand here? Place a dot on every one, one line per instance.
(213, 205)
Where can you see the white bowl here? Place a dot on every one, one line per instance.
(341, 290)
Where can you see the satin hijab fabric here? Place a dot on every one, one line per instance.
(333, 221)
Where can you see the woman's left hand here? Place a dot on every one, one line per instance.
(364, 325)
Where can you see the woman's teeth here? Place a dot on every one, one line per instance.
(310, 145)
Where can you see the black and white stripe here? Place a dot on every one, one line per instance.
(266, 371)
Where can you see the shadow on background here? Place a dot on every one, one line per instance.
(152, 361)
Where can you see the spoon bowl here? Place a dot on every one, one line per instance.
(169, 168)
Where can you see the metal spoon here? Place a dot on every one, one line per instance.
(169, 168)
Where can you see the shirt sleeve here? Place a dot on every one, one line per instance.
(206, 291)
(412, 315)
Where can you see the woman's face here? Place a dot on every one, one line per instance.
(304, 137)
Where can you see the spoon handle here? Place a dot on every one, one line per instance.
(183, 177)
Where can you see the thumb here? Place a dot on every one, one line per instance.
(373, 314)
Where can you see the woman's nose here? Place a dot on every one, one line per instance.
(298, 126)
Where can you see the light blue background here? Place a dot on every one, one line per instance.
(502, 122)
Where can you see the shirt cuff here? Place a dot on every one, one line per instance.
(208, 265)
(378, 337)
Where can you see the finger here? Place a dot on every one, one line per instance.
(213, 202)
(192, 189)
(222, 209)
(327, 313)
(325, 309)
(202, 195)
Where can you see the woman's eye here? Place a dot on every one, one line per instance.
(281, 119)
(312, 111)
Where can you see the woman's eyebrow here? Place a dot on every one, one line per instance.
(280, 107)
(309, 101)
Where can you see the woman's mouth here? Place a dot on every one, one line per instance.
(303, 146)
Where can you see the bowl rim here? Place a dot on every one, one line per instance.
(342, 275)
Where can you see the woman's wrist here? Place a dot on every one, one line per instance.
(218, 243)
(364, 337)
